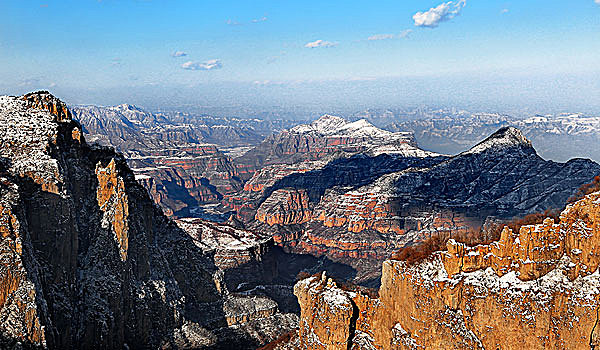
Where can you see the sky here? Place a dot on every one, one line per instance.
(483, 54)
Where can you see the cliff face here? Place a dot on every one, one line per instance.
(245, 257)
(87, 260)
(368, 207)
(182, 179)
(329, 137)
(286, 207)
(536, 289)
(172, 160)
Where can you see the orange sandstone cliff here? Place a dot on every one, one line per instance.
(535, 289)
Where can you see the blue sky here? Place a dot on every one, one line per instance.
(290, 52)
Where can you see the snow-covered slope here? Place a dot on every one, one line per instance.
(329, 138)
(556, 137)
(328, 125)
(503, 138)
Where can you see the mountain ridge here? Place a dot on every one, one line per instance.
(87, 260)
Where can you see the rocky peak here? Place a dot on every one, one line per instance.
(326, 124)
(128, 107)
(536, 289)
(506, 137)
(46, 101)
(332, 126)
(87, 260)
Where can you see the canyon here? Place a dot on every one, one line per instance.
(342, 189)
(114, 249)
(88, 260)
(360, 209)
(181, 161)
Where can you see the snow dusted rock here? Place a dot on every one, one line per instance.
(313, 149)
(367, 207)
(504, 138)
(88, 261)
(330, 136)
(326, 314)
(244, 257)
(539, 289)
(558, 137)
(172, 160)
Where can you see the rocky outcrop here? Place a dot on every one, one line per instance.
(112, 200)
(536, 289)
(45, 101)
(330, 137)
(88, 261)
(178, 184)
(244, 257)
(285, 207)
(369, 207)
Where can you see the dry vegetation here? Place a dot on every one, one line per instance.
(586, 189)
(417, 253)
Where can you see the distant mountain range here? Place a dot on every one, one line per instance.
(370, 205)
(559, 138)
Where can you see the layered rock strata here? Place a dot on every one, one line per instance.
(187, 180)
(172, 160)
(535, 289)
(370, 206)
(88, 261)
(330, 135)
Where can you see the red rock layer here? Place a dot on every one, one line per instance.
(285, 207)
(177, 183)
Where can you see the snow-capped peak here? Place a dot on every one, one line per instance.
(374, 140)
(329, 125)
(128, 107)
(503, 138)
(326, 125)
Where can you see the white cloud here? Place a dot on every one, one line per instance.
(405, 33)
(401, 35)
(208, 65)
(320, 43)
(258, 20)
(268, 83)
(443, 12)
(178, 54)
(381, 37)
(597, 2)
(255, 20)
